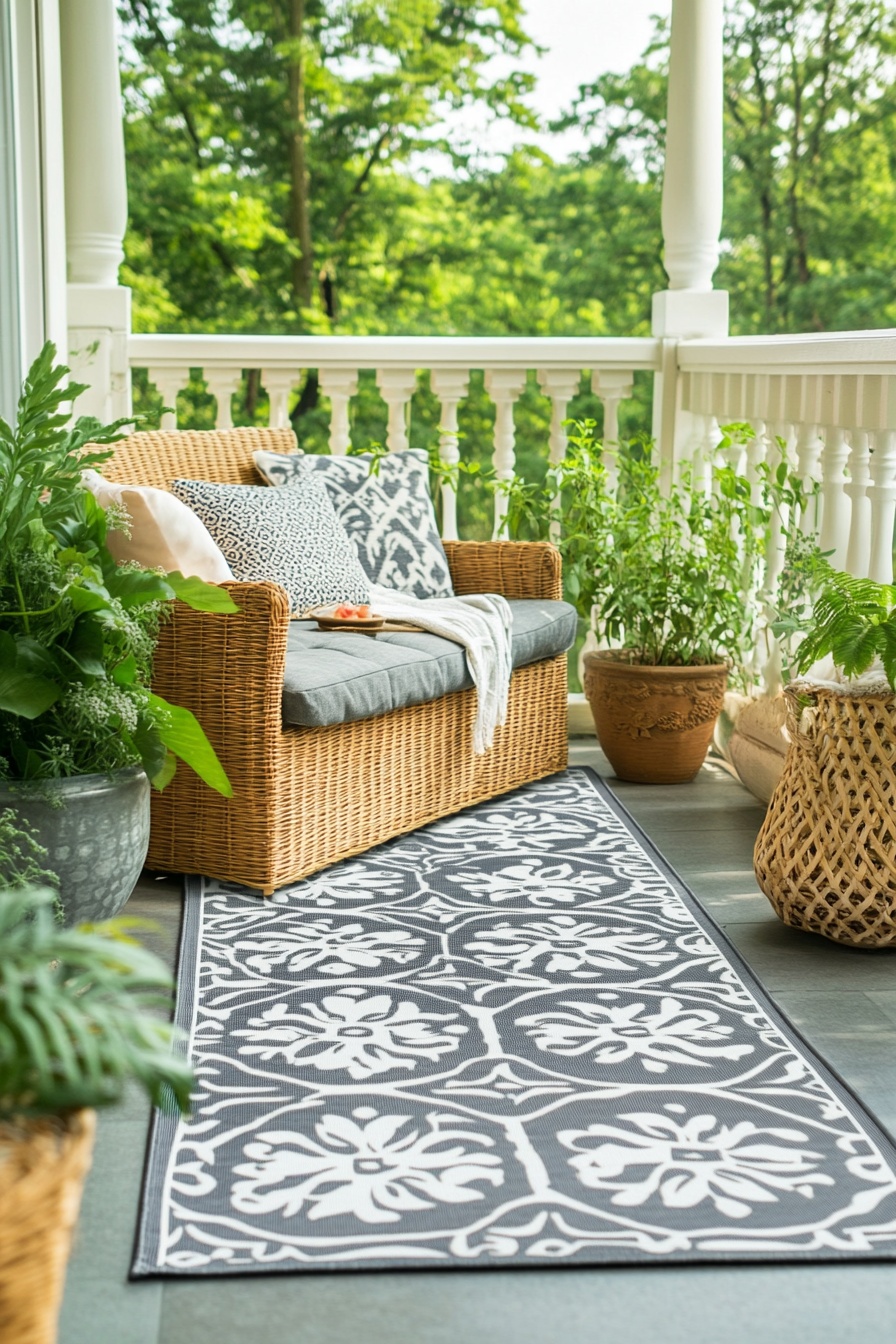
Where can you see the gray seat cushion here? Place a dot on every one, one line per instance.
(335, 677)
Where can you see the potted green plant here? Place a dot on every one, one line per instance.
(662, 576)
(81, 733)
(826, 854)
(79, 1017)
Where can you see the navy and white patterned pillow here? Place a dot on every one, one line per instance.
(388, 515)
(292, 537)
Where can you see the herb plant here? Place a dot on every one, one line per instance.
(80, 1015)
(78, 631)
(668, 574)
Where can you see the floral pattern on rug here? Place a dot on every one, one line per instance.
(510, 1038)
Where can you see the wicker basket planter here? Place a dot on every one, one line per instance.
(654, 723)
(42, 1168)
(826, 854)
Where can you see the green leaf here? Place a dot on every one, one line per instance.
(125, 672)
(164, 776)
(133, 587)
(201, 596)
(26, 693)
(86, 647)
(153, 752)
(183, 734)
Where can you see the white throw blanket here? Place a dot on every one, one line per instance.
(481, 622)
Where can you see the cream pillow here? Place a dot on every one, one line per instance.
(165, 533)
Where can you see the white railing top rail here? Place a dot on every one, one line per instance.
(382, 352)
(852, 352)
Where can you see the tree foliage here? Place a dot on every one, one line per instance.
(296, 167)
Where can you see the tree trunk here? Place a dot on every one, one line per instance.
(303, 264)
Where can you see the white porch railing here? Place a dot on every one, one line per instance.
(832, 399)
(395, 360)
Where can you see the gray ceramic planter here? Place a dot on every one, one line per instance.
(95, 829)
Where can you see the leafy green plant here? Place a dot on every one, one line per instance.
(853, 621)
(80, 1015)
(670, 574)
(21, 854)
(78, 631)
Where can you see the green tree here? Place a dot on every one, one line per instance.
(810, 193)
(258, 133)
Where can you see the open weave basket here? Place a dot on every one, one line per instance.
(42, 1168)
(826, 854)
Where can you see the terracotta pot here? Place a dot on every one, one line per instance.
(654, 723)
(42, 1168)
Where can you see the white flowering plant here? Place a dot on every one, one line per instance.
(77, 630)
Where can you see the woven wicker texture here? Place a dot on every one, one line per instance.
(826, 854)
(157, 457)
(306, 797)
(41, 1176)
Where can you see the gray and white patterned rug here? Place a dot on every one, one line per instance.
(511, 1038)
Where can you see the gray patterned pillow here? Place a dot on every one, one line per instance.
(388, 515)
(290, 536)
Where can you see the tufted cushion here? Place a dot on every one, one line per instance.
(385, 508)
(336, 676)
(290, 536)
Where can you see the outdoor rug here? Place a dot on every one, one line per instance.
(512, 1038)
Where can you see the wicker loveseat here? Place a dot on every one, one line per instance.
(306, 797)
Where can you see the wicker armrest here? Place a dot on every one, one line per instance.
(512, 568)
(228, 669)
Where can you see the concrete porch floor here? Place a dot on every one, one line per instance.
(843, 1000)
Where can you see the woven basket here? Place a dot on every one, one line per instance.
(42, 1168)
(826, 854)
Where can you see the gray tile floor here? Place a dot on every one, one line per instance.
(843, 1000)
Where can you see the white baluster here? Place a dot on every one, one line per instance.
(835, 503)
(340, 385)
(396, 388)
(223, 383)
(612, 386)
(561, 385)
(780, 520)
(503, 386)
(808, 469)
(705, 458)
(756, 454)
(858, 554)
(278, 383)
(450, 386)
(882, 495)
(168, 383)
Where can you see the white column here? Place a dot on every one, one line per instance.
(504, 386)
(340, 385)
(396, 388)
(96, 205)
(691, 212)
(450, 386)
(692, 181)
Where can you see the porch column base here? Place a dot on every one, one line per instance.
(680, 315)
(99, 321)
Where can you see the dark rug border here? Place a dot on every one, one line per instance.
(163, 1126)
